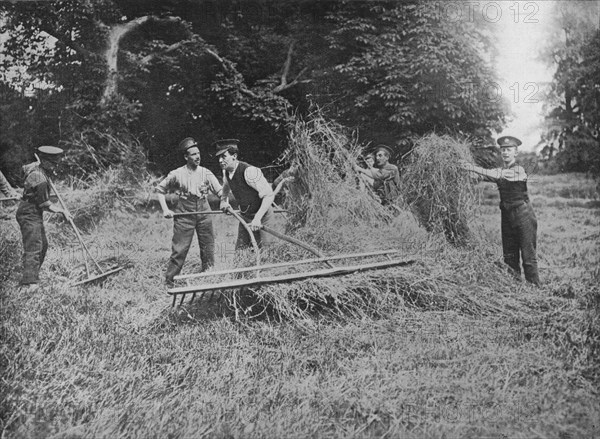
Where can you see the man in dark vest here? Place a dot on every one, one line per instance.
(251, 190)
(519, 224)
(30, 214)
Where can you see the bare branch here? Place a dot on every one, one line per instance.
(286, 66)
(171, 48)
(69, 43)
(284, 85)
(296, 81)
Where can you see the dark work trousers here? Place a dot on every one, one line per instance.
(183, 232)
(35, 244)
(519, 230)
(262, 238)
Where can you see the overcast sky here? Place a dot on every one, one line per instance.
(519, 66)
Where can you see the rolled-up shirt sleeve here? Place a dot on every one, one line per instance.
(167, 182)
(37, 190)
(42, 194)
(257, 181)
(215, 186)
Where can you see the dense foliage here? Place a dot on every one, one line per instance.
(573, 120)
(155, 72)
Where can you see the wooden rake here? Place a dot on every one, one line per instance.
(258, 280)
(90, 278)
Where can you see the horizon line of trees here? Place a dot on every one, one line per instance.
(109, 73)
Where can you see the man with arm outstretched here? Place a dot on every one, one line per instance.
(519, 224)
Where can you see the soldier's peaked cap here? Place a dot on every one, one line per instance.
(383, 148)
(508, 141)
(186, 144)
(50, 150)
(223, 145)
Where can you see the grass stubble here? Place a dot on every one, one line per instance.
(450, 346)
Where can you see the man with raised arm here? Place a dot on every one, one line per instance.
(192, 183)
(519, 224)
(251, 190)
(386, 176)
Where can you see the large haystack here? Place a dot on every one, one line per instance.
(437, 189)
(327, 203)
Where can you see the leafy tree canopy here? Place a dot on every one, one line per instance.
(155, 72)
(573, 102)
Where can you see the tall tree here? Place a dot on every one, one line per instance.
(404, 69)
(573, 101)
(159, 71)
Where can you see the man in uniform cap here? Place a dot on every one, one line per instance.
(386, 176)
(192, 183)
(251, 190)
(519, 224)
(36, 200)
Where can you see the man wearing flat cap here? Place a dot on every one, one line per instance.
(518, 221)
(30, 213)
(192, 183)
(251, 190)
(386, 176)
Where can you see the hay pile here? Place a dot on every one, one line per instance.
(329, 210)
(325, 187)
(439, 192)
(327, 204)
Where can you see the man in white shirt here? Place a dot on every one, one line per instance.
(192, 183)
(251, 190)
(519, 224)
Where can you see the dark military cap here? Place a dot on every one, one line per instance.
(49, 153)
(508, 141)
(383, 148)
(186, 144)
(223, 145)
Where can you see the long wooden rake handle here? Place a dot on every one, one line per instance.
(216, 212)
(64, 206)
(297, 242)
(252, 239)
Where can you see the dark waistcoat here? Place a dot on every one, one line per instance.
(512, 193)
(246, 196)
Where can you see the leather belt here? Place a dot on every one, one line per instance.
(189, 196)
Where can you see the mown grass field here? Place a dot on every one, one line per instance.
(114, 360)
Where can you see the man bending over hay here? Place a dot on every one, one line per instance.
(251, 190)
(519, 224)
(386, 177)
